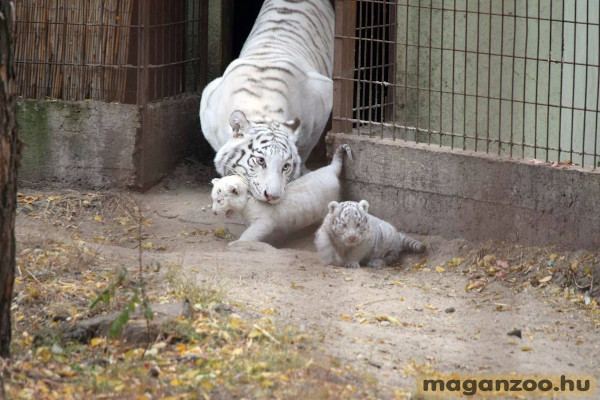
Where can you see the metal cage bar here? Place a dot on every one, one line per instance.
(511, 77)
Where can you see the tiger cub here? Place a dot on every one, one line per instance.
(304, 204)
(350, 236)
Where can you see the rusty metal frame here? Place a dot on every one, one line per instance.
(438, 107)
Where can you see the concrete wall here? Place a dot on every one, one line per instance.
(492, 87)
(461, 194)
(84, 143)
(173, 133)
(94, 144)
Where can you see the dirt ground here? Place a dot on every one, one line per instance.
(446, 312)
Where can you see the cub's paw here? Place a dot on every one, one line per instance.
(352, 265)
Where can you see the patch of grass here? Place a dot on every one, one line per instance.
(185, 286)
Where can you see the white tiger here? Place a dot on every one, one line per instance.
(305, 203)
(350, 236)
(283, 74)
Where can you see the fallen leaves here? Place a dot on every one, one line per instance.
(371, 318)
(545, 279)
(477, 285)
(387, 318)
(455, 262)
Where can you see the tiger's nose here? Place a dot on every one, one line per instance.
(270, 197)
(352, 238)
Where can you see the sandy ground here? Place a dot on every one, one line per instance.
(394, 323)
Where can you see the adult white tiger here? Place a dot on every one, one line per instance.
(267, 111)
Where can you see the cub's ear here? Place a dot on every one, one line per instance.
(215, 181)
(294, 127)
(332, 206)
(239, 123)
(364, 205)
(232, 188)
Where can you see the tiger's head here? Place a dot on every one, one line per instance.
(349, 221)
(263, 152)
(229, 195)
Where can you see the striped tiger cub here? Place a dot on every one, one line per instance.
(267, 111)
(350, 236)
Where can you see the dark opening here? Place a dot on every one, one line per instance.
(374, 59)
(244, 15)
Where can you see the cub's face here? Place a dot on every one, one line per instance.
(229, 195)
(349, 221)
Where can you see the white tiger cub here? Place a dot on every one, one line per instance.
(266, 113)
(350, 236)
(304, 205)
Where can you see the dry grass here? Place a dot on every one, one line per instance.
(221, 351)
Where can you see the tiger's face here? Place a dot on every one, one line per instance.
(264, 152)
(349, 221)
(229, 195)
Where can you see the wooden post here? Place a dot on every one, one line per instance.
(143, 46)
(226, 33)
(10, 152)
(203, 46)
(343, 67)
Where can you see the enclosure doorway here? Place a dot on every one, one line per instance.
(244, 15)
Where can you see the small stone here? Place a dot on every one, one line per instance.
(450, 310)
(154, 371)
(56, 349)
(515, 332)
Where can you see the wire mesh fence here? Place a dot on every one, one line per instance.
(509, 77)
(129, 51)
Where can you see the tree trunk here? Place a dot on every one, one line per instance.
(9, 159)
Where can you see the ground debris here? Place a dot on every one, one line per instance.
(136, 330)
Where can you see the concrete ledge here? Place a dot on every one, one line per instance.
(93, 144)
(452, 193)
(82, 143)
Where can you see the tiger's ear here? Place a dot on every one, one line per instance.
(294, 127)
(364, 205)
(233, 188)
(239, 123)
(215, 181)
(332, 206)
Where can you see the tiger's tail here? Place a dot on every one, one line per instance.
(411, 244)
(338, 158)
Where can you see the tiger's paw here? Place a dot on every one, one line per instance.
(378, 263)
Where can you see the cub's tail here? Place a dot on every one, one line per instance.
(411, 244)
(338, 158)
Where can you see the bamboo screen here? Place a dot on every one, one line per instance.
(129, 51)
